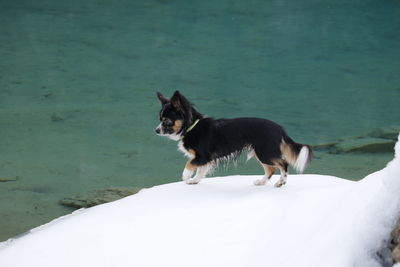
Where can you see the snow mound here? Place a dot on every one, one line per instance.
(314, 220)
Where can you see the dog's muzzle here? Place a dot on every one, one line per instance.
(159, 130)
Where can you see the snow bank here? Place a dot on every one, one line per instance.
(314, 220)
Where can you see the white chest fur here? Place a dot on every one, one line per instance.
(184, 151)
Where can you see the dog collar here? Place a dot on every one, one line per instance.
(192, 126)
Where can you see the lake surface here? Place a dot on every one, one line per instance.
(78, 81)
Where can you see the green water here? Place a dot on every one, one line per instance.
(78, 82)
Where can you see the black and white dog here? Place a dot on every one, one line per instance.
(205, 141)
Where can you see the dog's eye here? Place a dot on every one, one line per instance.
(168, 122)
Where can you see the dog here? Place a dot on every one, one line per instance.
(206, 141)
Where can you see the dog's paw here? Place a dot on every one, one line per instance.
(192, 181)
(259, 182)
(187, 174)
(279, 183)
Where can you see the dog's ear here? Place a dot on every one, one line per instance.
(176, 101)
(162, 98)
(180, 103)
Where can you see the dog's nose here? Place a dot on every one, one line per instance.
(158, 130)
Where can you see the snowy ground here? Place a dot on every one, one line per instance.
(314, 220)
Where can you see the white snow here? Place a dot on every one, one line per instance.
(314, 220)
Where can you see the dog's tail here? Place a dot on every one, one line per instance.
(297, 155)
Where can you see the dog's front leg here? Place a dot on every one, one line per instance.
(200, 163)
(188, 171)
(201, 173)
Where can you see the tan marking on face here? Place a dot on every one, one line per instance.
(177, 126)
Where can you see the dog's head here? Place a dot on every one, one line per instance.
(176, 115)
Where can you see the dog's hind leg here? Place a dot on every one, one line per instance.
(269, 171)
(283, 167)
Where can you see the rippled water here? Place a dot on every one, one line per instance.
(78, 82)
